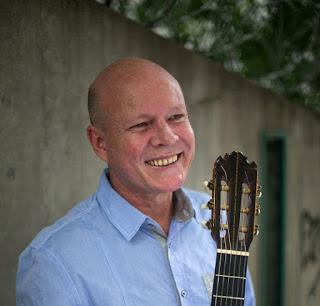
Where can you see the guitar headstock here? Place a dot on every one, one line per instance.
(233, 204)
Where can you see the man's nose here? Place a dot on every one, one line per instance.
(163, 135)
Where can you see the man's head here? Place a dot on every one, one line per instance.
(140, 127)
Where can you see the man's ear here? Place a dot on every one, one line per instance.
(97, 140)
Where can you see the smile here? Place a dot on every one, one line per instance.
(163, 162)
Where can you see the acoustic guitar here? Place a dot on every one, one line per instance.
(233, 209)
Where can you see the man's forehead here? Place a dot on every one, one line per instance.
(139, 88)
(132, 84)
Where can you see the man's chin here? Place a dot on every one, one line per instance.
(170, 185)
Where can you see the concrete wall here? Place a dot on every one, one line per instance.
(50, 52)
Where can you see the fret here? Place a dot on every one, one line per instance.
(232, 265)
(228, 297)
(220, 300)
(229, 280)
(230, 276)
(229, 286)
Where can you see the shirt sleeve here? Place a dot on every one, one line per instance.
(250, 299)
(43, 280)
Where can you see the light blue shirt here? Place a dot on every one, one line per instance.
(105, 252)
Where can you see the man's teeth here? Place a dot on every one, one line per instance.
(163, 162)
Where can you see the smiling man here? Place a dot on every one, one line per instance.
(138, 239)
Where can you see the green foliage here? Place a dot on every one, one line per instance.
(274, 42)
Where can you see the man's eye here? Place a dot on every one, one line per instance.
(139, 126)
(178, 117)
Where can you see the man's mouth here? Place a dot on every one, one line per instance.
(165, 161)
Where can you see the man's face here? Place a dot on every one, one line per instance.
(149, 140)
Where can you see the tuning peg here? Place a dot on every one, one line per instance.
(257, 210)
(207, 224)
(208, 185)
(208, 205)
(256, 230)
(258, 191)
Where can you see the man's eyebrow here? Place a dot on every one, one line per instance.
(180, 109)
(140, 117)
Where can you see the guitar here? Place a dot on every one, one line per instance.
(233, 208)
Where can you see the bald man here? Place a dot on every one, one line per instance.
(138, 239)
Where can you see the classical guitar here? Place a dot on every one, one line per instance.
(233, 208)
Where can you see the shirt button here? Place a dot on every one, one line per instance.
(183, 293)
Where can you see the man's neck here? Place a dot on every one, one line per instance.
(158, 206)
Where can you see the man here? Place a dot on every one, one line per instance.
(138, 239)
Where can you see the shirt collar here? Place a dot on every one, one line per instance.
(120, 212)
(183, 209)
(126, 218)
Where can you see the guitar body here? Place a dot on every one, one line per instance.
(233, 208)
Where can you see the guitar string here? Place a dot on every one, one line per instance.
(240, 266)
(226, 264)
(237, 259)
(245, 246)
(233, 257)
(219, 269)
(226, 233)
(223, 246)
(244, 259)
(249, 204)
(230, 246)
(226, 257)
(237, 264)
(218, 278)
(214, 293)
(220, 255)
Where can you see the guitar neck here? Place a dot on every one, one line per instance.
(229, 280)
(233, 209)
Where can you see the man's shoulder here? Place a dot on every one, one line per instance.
(66, 230)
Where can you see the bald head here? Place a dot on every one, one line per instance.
(117, 79)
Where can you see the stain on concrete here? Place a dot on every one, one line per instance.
(11, 173)
(309, 235)
(5, 101)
